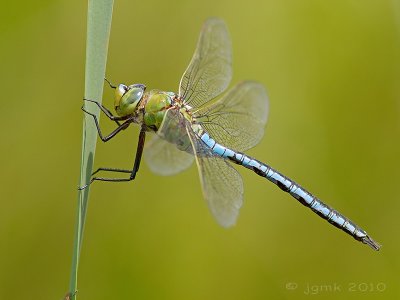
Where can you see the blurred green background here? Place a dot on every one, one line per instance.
(332, 71)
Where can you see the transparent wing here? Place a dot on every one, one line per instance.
(222, 185)
(237, 120)
(164, 158)
(173, 130)
(210, 69)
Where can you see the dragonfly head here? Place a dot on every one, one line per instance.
(127, 98)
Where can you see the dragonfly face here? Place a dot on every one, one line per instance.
(127, 98)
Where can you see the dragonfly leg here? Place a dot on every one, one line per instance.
(112, 134)
(139, 152)
(107, 112)
(111, 170)
(138, 157)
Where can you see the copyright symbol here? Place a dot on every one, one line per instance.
(291, 286)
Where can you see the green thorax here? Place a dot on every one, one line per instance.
(156, 104)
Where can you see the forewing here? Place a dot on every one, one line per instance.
(210, 69)
(165, 158)
(222, 185)
(173, 130)
(237, 120)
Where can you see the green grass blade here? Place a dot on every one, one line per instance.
(98, 31)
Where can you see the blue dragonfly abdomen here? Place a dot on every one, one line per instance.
(295, 190)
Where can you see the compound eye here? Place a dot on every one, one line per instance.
(135, 94)
(138, 85)
(120, 91)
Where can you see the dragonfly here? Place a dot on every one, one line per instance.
(196, 124)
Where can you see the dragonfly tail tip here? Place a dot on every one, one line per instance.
(370, 242)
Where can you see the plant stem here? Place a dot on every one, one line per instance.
(98, 31)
